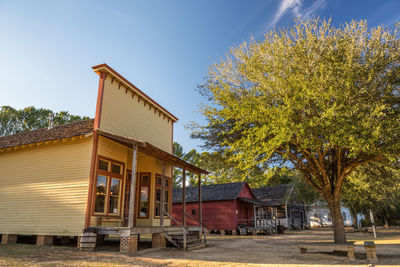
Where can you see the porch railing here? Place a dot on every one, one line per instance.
(258, 223)
(203, 227)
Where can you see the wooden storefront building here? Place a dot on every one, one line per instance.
(109, 175)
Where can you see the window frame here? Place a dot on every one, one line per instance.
(166, 188)
(109, 175)
(139, 201)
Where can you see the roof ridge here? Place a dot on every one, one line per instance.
(211, 185)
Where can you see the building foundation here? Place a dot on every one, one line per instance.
(128, 242)
(159, 241)
(8, 239)
(44, 240)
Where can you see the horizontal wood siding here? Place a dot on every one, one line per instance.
(44, 189)
(124, 115)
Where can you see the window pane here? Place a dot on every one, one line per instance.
(101, 184)
(144, 196)
(158, 181)
(158, 209)
(166, 182)
(113, 207)
(115, 168)
(145, 179)
(99, 204)
(144, 193)
(103, 165)
(166, 198)
(114, 191)
(166, 207)
(101, 189)
(158, 194)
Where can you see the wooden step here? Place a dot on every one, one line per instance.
(197, 246)
(187, 237)
(194, 241)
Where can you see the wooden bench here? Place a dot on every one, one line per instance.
(370, 249)
(328, 246)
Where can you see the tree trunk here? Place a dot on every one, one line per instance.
(338, 226)
(354, 215)
(385, 220)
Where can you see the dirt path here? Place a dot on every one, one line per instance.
(222, 251)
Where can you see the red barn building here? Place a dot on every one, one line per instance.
(226, 207)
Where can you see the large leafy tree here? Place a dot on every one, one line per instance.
(14, 121)
(324, 98)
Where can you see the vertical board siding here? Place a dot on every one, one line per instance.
(124, 115)
(245, 192)
(217, 215)
(44, 189)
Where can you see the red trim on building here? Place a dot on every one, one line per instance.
(99, 104)
(89, 206)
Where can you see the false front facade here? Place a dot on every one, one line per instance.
(109, 175)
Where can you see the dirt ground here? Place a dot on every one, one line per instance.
(275, 250)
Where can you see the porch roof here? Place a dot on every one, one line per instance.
(153, 151)
(253, 201)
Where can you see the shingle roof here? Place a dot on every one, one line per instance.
(253, 201)
(215, 192)
(273, 195)
(44, 134)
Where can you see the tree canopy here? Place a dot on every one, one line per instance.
(324, 98)
(376, 187)
(14, 121)
(222, 170)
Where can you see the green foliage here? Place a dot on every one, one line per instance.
(305, 94)
(14, 121)
(324, 98)
(375, 186)
(222, 170)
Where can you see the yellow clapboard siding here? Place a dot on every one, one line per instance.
(44, 189)
(124, 115)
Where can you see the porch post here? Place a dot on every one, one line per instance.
(184, 207)
(162, 195)
(255, 216)
(184, 198)
(200, 201)
(132, 194)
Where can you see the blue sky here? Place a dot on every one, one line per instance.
(163, 47)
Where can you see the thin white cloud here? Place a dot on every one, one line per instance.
(308, 12)
(297, 10)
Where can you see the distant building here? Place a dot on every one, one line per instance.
(318, 215)
(284, 203)
(226, 207)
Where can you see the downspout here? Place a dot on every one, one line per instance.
(287, 200)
